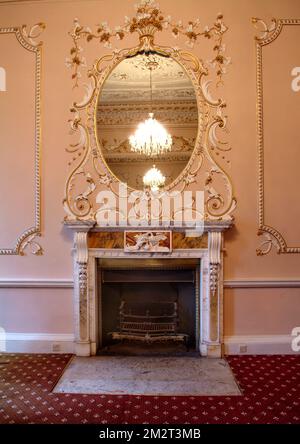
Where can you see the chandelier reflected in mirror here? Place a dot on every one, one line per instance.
(150, 137)
(136, 130)
(154, 179)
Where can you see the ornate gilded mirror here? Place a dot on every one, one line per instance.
(154, 93)
(135, 92)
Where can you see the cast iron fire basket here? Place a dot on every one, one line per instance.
(157, 323)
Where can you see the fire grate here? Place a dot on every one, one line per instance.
(157, 323)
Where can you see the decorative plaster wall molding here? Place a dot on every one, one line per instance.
(27, 39)
(36, 283)
(262, 283)
(68, 283)
(272, 237)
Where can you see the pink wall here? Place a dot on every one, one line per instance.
(36, 310)
(271, 311)
(260, 311)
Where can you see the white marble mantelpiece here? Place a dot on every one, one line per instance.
(86, 296)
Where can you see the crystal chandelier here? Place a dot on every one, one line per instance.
(150, 137)
(154, 179)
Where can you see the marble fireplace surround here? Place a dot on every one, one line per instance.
(85, 296)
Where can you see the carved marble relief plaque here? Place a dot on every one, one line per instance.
(115, 239)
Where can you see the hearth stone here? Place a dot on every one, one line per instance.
(148, 376)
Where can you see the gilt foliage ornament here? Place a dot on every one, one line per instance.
(149, 19)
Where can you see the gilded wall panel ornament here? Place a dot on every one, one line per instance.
(89, 172)
(27, 38)
(268, 33)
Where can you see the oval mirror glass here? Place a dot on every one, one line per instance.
(147, 116)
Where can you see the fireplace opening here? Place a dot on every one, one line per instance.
(148, 306)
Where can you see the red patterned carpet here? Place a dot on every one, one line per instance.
(270, 385)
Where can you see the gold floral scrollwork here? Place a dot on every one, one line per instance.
(272, 237)
(27, 39)
(148, 19)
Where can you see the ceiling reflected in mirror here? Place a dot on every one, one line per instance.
(154, 94)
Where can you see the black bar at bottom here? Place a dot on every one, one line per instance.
(142, 433)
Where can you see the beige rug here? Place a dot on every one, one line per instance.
(143, 375)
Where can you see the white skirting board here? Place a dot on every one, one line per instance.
(64, 343)
(37, 343)
(258, 345)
